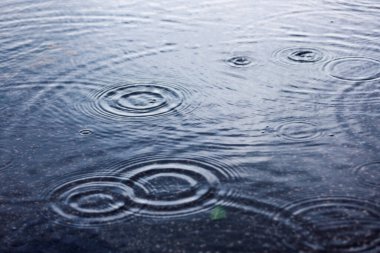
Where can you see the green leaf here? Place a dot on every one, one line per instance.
(218, 213)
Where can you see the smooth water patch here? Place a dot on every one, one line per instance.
(330, 224)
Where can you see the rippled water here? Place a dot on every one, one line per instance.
(177, 126)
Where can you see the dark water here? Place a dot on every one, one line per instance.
(190, 126)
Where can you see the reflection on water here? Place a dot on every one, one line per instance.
(208, 126)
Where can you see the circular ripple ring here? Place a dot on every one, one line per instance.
(369, 174)
(299, 131)
(299, 55)
(92, 201)
(333, 224)
(175, 187)
(354, 69)
(138, 101)
(240, 61)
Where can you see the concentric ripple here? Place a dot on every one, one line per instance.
(92, 201)
(299, 131)
(334, 224)
(175, 187)
(299, 55)
(354, 68)
(240, 61)
(369, 174)
(137, 101)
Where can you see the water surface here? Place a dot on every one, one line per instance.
(177, 126)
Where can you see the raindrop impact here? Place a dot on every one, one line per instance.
(240, 61)
(85, 132)
(299, 55)
(137, 101)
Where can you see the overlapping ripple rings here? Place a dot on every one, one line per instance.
(331, 224)
(190, 126)
(138, 101)
(176, 187)
(157, 188)
(91, 201)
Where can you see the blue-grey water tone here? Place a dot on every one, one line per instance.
(190, 126)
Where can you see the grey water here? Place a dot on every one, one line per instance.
(190, 126)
